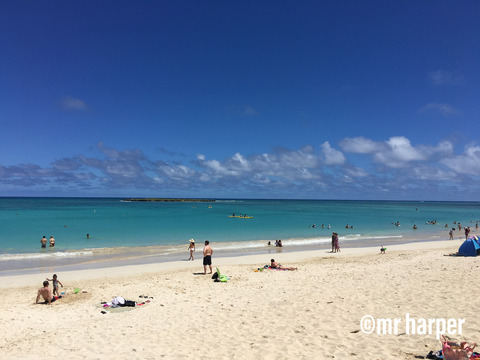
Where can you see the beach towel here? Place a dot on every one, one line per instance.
(218, 277)
(455, 351)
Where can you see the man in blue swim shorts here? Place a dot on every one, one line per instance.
(207, 257)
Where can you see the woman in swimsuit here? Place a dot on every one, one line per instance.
(191, 248)
(275, 265)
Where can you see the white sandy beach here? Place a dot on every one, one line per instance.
(312, 313)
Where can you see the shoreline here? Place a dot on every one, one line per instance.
(98, 258)
(85, 272)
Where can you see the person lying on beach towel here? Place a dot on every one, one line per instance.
(277, 266)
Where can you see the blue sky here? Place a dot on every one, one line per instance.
(250, 99)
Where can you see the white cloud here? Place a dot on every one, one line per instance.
(360, 145)
(332, 156)
(391, 166)
(396, 152)
(467, 163)
(444, 109)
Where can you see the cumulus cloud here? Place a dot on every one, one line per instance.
(466, 163)
(70, 103)
(360, 145)
(396, 152)
(378, 167)
(332, 156)
(443, 109)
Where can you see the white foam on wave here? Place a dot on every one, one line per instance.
(33, 256)
(299, 241)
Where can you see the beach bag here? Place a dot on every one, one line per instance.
(130, 303)
(456, 351)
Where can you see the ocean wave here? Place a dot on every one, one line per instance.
(33, 256)
(299, 242)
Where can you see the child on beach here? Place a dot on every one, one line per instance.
(55, 282)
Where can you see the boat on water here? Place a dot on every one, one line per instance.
(241, 216)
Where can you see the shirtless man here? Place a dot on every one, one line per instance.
(275, 265)
(207, 257)
(43, 242)
(46, 293)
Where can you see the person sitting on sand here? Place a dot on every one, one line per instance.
(46, 294)
(275, 265)
(382, 250)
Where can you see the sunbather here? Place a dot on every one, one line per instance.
(275, 265)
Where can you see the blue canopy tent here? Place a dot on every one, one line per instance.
(470, 247)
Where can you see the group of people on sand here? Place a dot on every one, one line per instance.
(207, 254)
(44, 241)
(46, 293)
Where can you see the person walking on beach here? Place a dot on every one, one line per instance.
(43, 242)
(333, 241)
(191, 248)
(207, 257)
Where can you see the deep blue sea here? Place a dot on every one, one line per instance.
(156, 231)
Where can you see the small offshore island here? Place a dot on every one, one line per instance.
(172, 200)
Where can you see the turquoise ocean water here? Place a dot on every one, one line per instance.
(123, 232)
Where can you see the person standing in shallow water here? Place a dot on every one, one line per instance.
(43, 242)
(207, 257)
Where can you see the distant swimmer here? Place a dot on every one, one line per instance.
(414, 227)
(88, 236)
(314, 226)
(43, 242)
